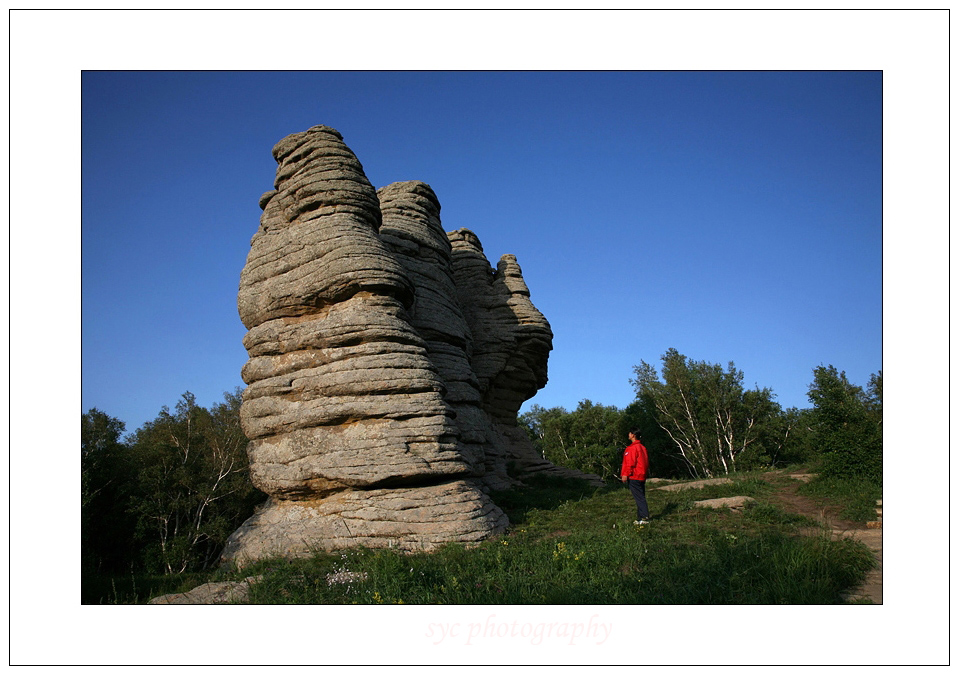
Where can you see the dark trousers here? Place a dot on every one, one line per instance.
(638, 488)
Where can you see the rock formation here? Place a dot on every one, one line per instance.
(387, 363)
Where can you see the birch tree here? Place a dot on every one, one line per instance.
(193, 486)
(712, 422)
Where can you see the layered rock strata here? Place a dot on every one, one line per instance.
(387, 362)
(341, 393)
(412, 230)
(511, 345)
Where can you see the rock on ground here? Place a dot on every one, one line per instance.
(734, 503)
(214, 593)
(695, 484)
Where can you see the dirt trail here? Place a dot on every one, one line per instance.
(789, 499)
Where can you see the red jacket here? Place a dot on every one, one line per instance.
(635, 461)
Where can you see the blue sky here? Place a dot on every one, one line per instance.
(735, 216)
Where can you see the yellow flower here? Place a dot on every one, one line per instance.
(560, 550)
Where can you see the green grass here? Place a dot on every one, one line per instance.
(856, 497)
(570, 543)
(573, 544)
(131, 589)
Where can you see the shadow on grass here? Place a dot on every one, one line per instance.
(133, 589)
(669, 509)
(543, 493)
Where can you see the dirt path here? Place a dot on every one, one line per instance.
(789, 499)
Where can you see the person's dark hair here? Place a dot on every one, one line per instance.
(635, 432)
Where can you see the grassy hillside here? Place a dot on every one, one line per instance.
(574, 544)
(571, 544)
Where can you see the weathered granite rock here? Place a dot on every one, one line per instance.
(341, 393)
(388, 361)
(412, 230)
(213, 593)
(695, 484)
(407, 519)
(510, 349)
(733, 503)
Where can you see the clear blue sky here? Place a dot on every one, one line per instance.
(735, 216)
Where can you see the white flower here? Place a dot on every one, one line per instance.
(345, 577)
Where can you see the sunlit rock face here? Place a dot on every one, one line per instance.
(387, 363)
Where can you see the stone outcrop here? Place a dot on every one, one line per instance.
(694, 484)
(387, 363)
(733, 503)
(213, 593)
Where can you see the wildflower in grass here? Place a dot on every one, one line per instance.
(560, 551)
(344, 576)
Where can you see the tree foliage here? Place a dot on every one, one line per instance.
(105, 530)
(664, 461)
(715, 426)
(193, 482)
(178, 487)
(847, 424)
(789, 438)
(589, 438)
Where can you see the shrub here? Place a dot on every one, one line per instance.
(847, 425)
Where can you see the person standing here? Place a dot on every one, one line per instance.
(633, 473)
